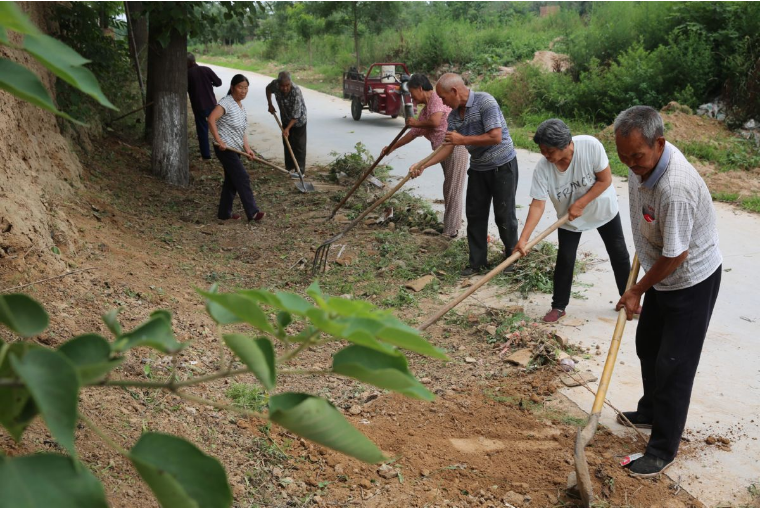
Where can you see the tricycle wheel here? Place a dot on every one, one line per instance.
(356, 109)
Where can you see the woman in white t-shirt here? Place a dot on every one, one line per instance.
(575, 176)
(227, 123)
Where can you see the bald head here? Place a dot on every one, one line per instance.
(452, 90)
(450, 81)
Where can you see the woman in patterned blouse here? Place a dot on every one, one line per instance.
(432, 123)
(228, 123)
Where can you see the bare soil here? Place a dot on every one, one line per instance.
(497, 435)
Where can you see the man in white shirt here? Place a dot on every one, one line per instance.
(675, 235)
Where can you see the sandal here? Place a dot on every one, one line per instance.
(553, 315)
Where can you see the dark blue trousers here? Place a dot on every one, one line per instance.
(670, 337)
(202, 129)
(500, 186)
(236, 182)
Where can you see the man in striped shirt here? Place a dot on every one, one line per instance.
(477, 123)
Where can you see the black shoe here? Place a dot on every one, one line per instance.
(636, 419)
(469, 270)
(648, 466)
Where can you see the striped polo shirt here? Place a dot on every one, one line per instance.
(482, 114)
(232, 125)
(672, 212)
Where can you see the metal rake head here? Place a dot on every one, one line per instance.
(320, 262)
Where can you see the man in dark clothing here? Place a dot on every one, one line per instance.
(202, 100)
(293, 115)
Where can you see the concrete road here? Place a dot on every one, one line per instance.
(725, 399)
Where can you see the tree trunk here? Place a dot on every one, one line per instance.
(167, 71)
(309, 46)
(356, 36)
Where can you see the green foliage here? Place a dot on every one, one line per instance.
(57, 57)
(179, 474)
(53, 385)
(37, 380)
(48, 480)
(737, 155)
(534, 273)
(80, 28)
(246, 396)
(22, 315)
(257, 354)
(355, 163)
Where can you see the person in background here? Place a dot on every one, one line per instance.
(677, 241)
(575, 176)
(477, 123)
(228, 125)
(201, 81)
(293, 116)
(432, 123)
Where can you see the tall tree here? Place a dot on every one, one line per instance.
(169, 26)
(167, 58)
(137, 36)
(306, 25)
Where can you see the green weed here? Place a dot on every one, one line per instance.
(751, 204)
(249, 397)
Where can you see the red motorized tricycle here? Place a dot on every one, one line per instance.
(382, 90)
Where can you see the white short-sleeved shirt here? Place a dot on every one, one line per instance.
(232, 125)
(672, 212)
(563, 188)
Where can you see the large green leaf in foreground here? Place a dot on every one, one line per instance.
(179, 474)
(257, 354)
(54, 385)
(91, 355)
(387, 371)
(19, 312)
(17, 409)
(48, 481)
(318, 420)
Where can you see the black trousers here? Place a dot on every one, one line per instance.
(236, 182)
(568, 242)
(202, 130)
(670, 337)
(500, 185)
(298, 140)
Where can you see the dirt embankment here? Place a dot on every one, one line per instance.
(38, 172)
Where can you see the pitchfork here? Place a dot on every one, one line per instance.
(365, 175)
(320, 262)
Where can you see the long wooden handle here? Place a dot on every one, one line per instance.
(388, 195)
(486, 278)
(610, 361)
(366, 174)
(287, 143)
(257, 159)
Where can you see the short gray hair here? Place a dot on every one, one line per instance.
(191, 57)
(284, 76)
(644, 119)
(449, 81)
(553, 133)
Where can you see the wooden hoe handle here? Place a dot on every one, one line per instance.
(486, 278)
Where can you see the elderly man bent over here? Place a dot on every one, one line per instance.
(675, 236)
(477, 123)
(293, 116)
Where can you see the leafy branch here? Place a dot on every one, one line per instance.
(35, 380)
(54, 55)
